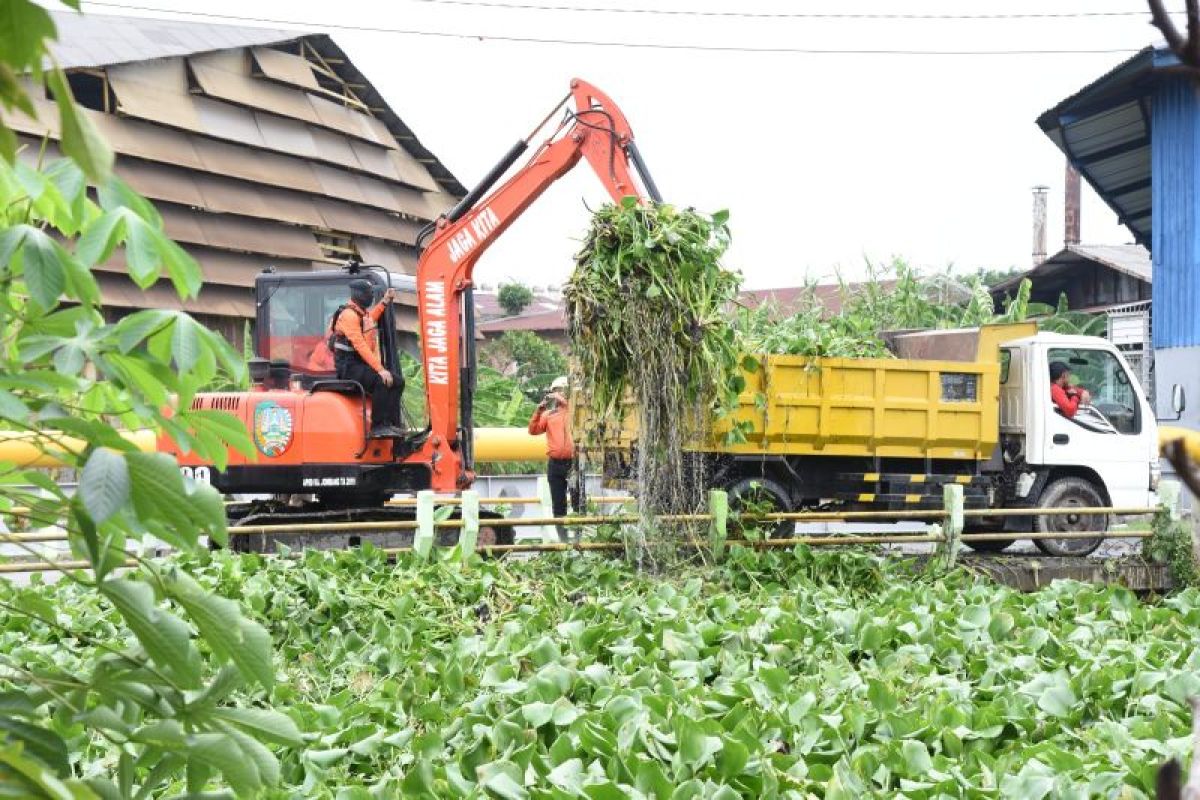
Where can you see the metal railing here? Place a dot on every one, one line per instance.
(946, 532)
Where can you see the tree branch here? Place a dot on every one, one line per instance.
(1161, 20)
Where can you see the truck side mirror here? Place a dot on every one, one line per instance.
(1178, 400)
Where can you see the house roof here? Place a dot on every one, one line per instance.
(1104, 131)
(791, 299)
(104, 40)
(541, 321)
(487, 305)
(101, 40)
(1130, 259)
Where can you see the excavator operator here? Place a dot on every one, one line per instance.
(355, 346)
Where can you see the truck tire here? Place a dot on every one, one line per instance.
(987, 525)
(762, 494)
(1064, 493)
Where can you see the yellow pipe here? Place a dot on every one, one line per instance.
(27, 449)
(39, 450)
(508, 444)
(1172, 433)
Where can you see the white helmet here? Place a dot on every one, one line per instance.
(559, 383)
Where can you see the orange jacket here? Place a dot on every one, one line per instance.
(1067, 400)
(556, 425)
(362, 335)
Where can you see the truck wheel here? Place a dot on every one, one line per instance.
(987, 526)
(761, 495)
(1067, 493)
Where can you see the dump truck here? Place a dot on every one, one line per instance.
(965, 406)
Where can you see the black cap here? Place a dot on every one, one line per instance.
(361, 292)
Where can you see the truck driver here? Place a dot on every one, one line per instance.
(355, 345)
(1066, 397)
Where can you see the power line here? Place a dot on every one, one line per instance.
(489, 37)
(782, 14)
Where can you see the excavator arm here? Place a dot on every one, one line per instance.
(594, 129)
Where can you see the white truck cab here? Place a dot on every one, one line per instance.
(1104, 455)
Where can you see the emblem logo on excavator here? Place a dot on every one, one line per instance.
(272, 428)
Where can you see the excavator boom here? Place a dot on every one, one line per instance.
(594, 130)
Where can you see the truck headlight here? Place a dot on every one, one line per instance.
(1155, 474)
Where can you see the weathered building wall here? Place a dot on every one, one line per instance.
(255, 156)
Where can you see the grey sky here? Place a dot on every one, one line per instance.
(820, 159)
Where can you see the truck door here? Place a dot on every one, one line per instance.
(1105, 435)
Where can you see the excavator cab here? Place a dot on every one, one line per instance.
(294, 311)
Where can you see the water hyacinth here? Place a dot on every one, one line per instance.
(647, 316)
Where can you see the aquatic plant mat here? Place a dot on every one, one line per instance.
(647, 317)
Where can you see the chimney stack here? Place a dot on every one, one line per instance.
(1039, 224)
(1071, 207)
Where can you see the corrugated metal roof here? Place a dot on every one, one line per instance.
(1104, 130)
(1131, 259)
(101, 40)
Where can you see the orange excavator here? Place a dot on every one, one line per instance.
(315, 459)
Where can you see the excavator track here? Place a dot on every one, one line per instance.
(275, 513)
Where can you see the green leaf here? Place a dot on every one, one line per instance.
(166, 638)
(11, 407)
(45, 745)
(100, 237)
(44, 272)
(221, 752)
(265, 762)
(185, 344)
(104, 483)
(916, 757)
(183, 270)
(227, 632)
(1057, 700)
(79, 139)
(501, 784)
(265, 724)
(141, 251)
(24, 27)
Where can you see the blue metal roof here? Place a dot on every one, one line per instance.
(1104, 130)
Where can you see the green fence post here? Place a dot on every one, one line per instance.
(469, 536)
(718, 531)
(423, 540)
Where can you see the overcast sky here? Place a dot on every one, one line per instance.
(821, 159)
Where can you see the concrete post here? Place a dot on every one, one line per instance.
(718, 532)
(469, 536)
(952, 525)
(423, 540)
(549, 532)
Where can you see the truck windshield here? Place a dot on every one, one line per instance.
(1113, 394)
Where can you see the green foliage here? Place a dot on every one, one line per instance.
(647, 319)
(892, 298)
(527, 357)
(145, 684)
(792, 674)
(514, 298)
(24, 28)
(1172, 543)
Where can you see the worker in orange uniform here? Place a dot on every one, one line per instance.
(1066, 397)
(355, 345)
(553, 418)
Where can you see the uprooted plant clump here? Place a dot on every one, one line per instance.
(646, 310)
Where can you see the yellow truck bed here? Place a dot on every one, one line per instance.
(901, 408)
(923, 407)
